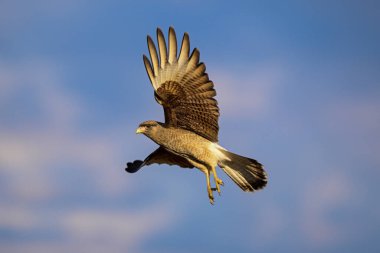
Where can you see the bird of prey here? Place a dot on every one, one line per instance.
(189, 136)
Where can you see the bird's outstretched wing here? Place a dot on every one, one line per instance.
(182, 87)
(159, 156)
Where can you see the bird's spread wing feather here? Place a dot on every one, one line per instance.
(182, 87)
(159, 156)
(162, 156)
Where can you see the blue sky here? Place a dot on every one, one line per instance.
(298, 88)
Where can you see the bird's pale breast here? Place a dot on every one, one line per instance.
(187, 144)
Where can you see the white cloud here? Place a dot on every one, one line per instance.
(355, 123)
(29, 155)
(17, 217)
(41, 81)
(321, 197)
(252, 92)
(356, 115)
(51, 136)
(270, 223)
(85, 230)
(115, 231)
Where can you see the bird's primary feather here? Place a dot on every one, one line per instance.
(182, 86)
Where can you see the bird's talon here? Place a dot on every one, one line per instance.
(219, 182)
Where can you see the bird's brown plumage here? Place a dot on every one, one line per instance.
(189, 136)
(182, 86)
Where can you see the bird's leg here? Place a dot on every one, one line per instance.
(205, 170)
(209, 191)
(217, 180)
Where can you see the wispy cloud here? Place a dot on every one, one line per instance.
(84, 230)
(247, 92)
(52, 140)
(327, 194)
(359, 119)
(92, 229)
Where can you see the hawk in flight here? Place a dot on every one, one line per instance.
(189, 136)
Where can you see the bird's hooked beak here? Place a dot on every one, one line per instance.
(139, 130)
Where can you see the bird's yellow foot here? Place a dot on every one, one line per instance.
(217, 180)
(220, 182)
(211, 197)
(217, 185)
(209, 189)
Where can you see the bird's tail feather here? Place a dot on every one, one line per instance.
(247, 173)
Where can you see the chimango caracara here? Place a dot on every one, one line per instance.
(189, 136)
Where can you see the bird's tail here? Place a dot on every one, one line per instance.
(247, 173)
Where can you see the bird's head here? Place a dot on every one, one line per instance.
(148, 128)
